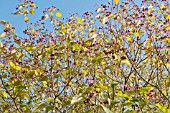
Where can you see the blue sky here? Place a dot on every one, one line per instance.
(66, 7)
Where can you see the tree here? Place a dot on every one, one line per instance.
(115, 59)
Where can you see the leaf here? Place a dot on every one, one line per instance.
(32, 5)
(167, 17)
(105, 20)
(168, 64)
(32, 11)
(39, 107)
(17, 83)
(44, 83)
(129, 38)
(1, 45)
(49, 108)
(126, 62)
(18, 68)
(4, 34)
(136, 99)
(45, 78)
(99, 10)
(113, 85)
(137, 34)
(1, 65)
(44, 17)
(123, 95)
(58, 100)
(162, 6)
(162, 108)
(76, 99)
(26, 19)
(12, 64)
(79, 20)
(25, 12)
(4, 94)
(58, 14)
(76, 46)
(106, 109)
(116, 2)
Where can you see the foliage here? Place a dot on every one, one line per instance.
(113, 60)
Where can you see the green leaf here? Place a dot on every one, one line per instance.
(89, 89)
(17, 83)
(136, 99)
(106, 109)
(45, 78)
(75, 46)
(49, 108)
(39, 107)
(113, 85)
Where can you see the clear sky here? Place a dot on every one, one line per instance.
(66, 7)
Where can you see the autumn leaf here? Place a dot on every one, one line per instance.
(116, 2)
(58, 14)
(4, 94)
(32, 11)
(14, 66)
(25, 12)
(32, 5)
(26, 19)
(79, 20)
(162, 108)
(1, 65)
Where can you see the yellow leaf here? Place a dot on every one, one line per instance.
(26, 19)
(85, 72)
(18, 68)
(25, 12)
(44, 83)
(1, 45)
(54, 9)
(58, 100)
(167, 17)
(168, 64)
(58, 14)
(162, 6)
(111, 15)
(36, 72)
(162, 108)
(116, 2)
(79, 20)
(126, 62)
(129, 38)
(19, 54)
(1, 65)
(32, 5)
(32, 11)
(4, 94)
(123, 95)
(137, 34)
(12, 64)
